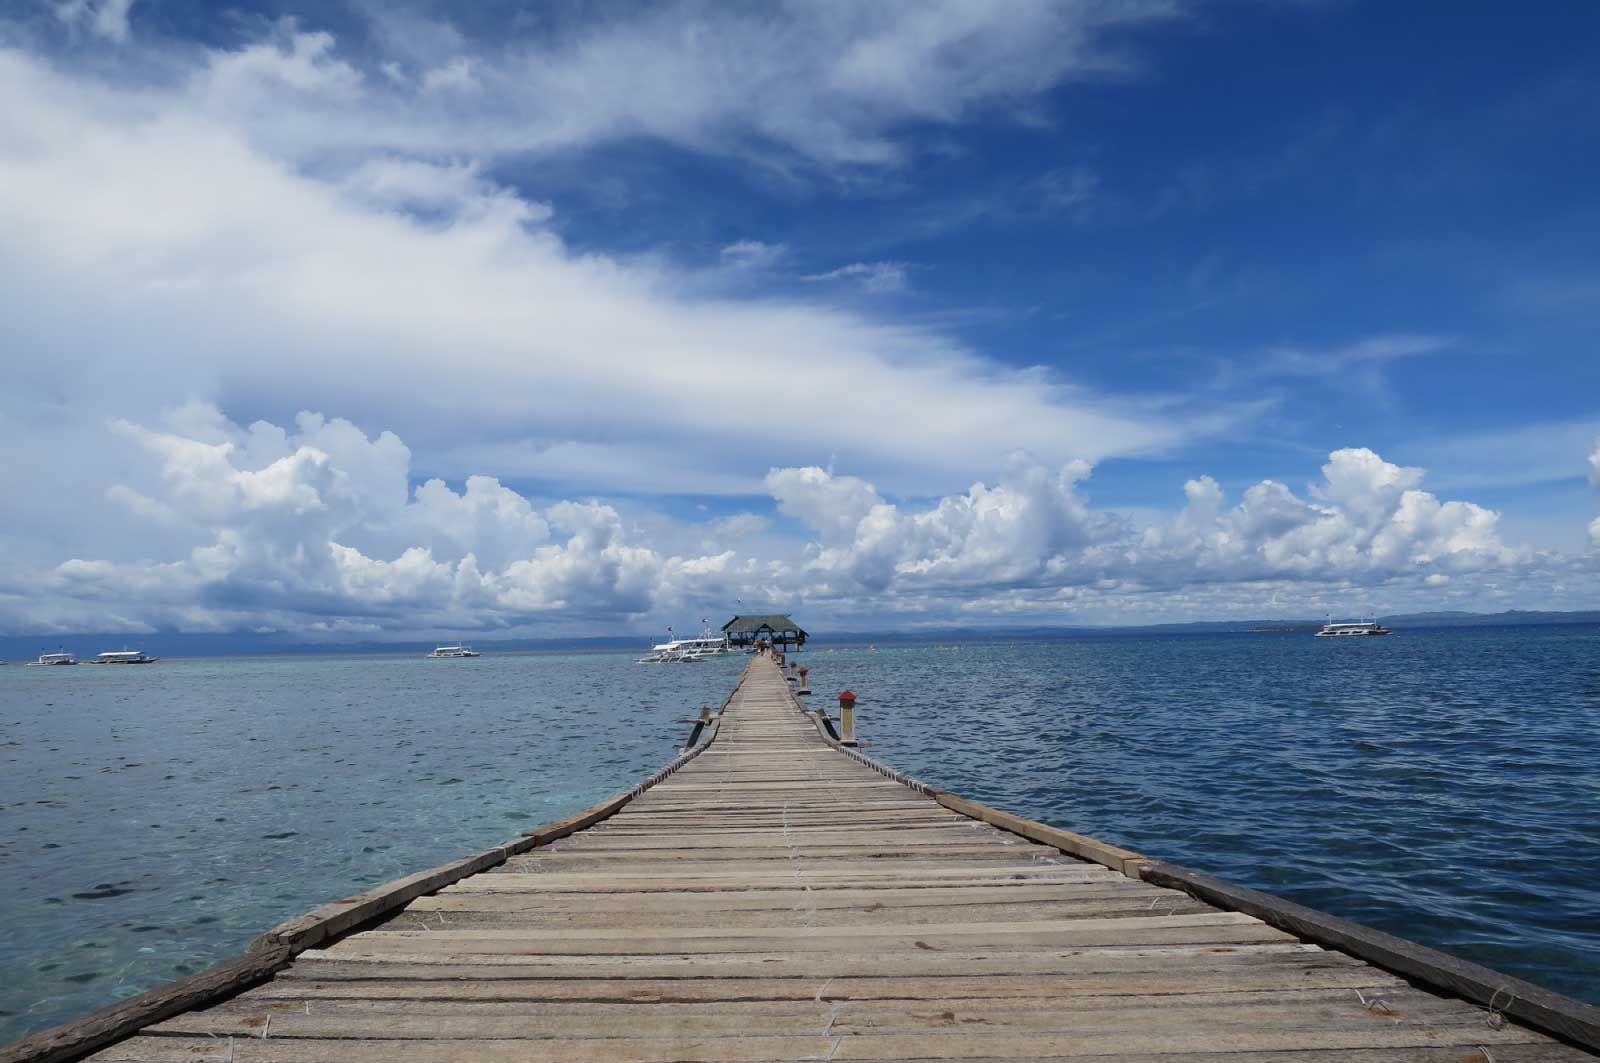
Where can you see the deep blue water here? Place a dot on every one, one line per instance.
(1440, 784)
(1443, 784)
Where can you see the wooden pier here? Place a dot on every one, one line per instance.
(775, 896)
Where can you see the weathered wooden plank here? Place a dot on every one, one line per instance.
(1295, 1011)
(796, 848)
(336, 917)
(530, 874)
(821, 963)
(792, 914)
(1118, 859)
(1036, 929)
(863, 902)
(930, 941)
(113, 1022)
(956, 1044)
(642, 1011)
(1510, 996)
(756, 988)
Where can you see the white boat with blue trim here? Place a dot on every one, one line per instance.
(1344, 628)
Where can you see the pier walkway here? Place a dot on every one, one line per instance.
(777, 899)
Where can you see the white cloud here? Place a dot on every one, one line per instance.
(455, 76)
(105, 18)
(291, 225)
(418, 289)
(1340, 359)
(1367, 522)
(1371, 522)
(752, 254)
(1594, 478)
(315, 528)
(317, 523)
(254, 83)
(833, 506)
(453, 190)
(824, 84)
(878, 277)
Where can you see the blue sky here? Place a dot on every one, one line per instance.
(895, 313)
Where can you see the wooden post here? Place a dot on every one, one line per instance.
(699, 725)
(847, 718)
(803, 690)
(791, 676)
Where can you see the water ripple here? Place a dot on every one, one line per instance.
(153, 820)
(1438, 784)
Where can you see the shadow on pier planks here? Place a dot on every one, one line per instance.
(773, 896)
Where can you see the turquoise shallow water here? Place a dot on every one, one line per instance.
(153, 819)
(1443, 785)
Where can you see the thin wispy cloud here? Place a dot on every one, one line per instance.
(817, 85)
(1341, 359)
(752, 254)
(877, 277)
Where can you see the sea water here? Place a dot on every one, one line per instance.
(1442, 784)
(154, 818)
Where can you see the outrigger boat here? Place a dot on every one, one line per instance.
(46, 659)
(1352, 627)
(454, 651)
(682, 651)
(123, 657)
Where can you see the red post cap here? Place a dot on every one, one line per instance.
(804, 669)
(848, 695)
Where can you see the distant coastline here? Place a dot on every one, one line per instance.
(174, 644)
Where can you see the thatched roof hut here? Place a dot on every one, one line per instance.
(774, 628)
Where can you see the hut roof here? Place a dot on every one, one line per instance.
(750, 625)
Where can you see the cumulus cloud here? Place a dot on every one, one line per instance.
(318, 522)
(321, 527)
(1367, 521)
(1030, 528)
